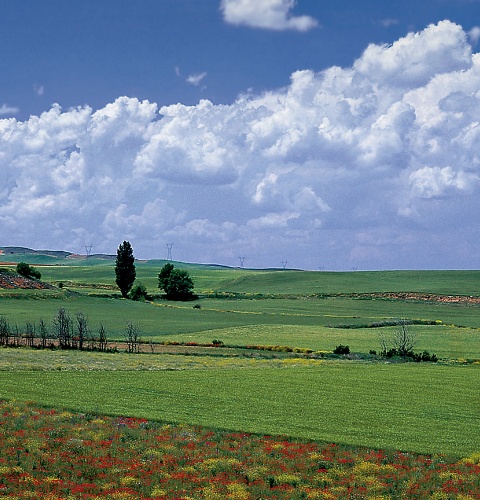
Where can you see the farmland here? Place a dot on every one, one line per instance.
(360, 400)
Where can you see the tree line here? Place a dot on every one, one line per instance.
(176, 283)
(64, 331)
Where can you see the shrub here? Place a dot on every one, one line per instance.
(139, 292)
(418, 357)
(341, 349)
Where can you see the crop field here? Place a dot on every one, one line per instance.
(273, 373)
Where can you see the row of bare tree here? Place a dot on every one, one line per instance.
(65, 332)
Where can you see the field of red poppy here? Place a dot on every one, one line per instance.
(53, 454)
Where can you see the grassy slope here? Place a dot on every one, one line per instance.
(258, 281)
(424, 408)
(304, 282)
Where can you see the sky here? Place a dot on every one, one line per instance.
(311, 134)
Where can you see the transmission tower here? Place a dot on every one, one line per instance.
(169, 249)
(88, 249)
(242, 261)
(284, 264)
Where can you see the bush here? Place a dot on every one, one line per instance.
(341, 349)
(418, 357)
(139, 292)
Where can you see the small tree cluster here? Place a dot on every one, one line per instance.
(176, 283)
(28, 271)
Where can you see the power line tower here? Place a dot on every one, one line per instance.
(242, 261)
(88, 249)
(169, 249)
(284, 264)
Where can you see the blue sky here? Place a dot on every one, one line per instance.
(328, 134)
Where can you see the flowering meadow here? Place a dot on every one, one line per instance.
(54, 454)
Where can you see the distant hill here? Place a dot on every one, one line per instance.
(45, 257)
(12, 254)
(29, 251)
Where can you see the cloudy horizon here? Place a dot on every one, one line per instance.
(374, 165)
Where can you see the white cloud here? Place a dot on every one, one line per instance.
(387, 22)
(429, 182)
(38, 89)
(412, 61)
(266, 14)
(8, 110)
(196, 79)
(474, 34)
(351, 167)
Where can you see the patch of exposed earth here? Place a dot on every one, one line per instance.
(11, 281)
(421, 297)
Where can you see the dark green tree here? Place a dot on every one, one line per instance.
(164, 275)
(125, 268)
(28, 271)
(176, 283)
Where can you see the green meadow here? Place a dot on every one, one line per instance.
(423, 408)
(361, 399)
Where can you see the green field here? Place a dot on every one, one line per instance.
(295, 322)
(423, 408)
(362, 401)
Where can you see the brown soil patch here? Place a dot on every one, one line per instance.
(423, 297)
(11, 281)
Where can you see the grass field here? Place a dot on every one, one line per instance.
(297, 323)
(419, 407)
(384, 406)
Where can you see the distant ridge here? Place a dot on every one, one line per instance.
(12, 254)
(29, 251)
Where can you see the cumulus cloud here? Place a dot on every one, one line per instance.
(371, 166)
(267, 14)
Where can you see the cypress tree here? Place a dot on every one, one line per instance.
(125, 268)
